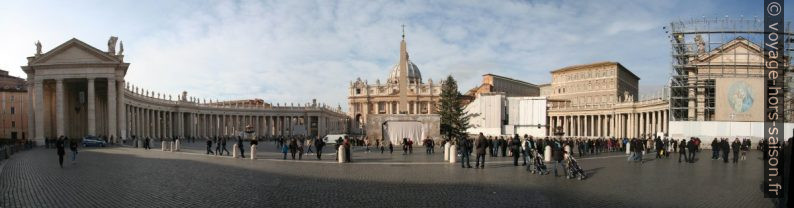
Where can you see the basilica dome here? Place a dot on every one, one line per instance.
(414, 76)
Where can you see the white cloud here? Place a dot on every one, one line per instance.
(294, 51)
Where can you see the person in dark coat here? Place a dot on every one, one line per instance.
(465, 152)
(59, 144)
(726, 148)
(209, 147)
(735, 148)
(319, 144)
(715, 149)
(691, 149)
(293, 148)
(73, 147)
(223, 147)
(481, 144)
(240, 146)
(659, 147)
(494, 146)
(503, 146)
(682, 151)
(515, 147)
(557, 156)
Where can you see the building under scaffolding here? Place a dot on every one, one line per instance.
(709, 58)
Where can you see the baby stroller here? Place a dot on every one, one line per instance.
(573, 169)
(540, 167)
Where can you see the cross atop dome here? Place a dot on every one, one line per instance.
(403, 31)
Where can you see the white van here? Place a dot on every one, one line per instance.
(331, 138)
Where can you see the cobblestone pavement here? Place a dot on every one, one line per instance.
(129, 177)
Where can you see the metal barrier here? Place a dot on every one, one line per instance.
(9, 149)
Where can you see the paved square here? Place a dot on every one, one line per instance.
(129, 177)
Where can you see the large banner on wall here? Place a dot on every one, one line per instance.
(739, 99)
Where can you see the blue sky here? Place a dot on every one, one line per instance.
(294, 51)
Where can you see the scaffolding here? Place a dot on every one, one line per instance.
(692, 80)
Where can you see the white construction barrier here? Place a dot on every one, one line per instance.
(341, 154)
(628, 148)
(446, 151)
(453, 154)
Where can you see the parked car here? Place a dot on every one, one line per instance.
(92, 141)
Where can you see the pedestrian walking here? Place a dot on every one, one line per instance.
(465, 151)
(735, 147)
(347, 146)
(59, 144)
(284, 150)
(515, 146)
(73, 148)
(293, 148)
(240, 146)
(209, 147)
(481, 144)
(682, 151)
(300, 150)
(319, 144)
(690, 146)
(726, 149)
(223, 147)
(557, 156)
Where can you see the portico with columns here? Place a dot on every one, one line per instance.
(630, 120)
(79, 90)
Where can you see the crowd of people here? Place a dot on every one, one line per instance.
(562, 149)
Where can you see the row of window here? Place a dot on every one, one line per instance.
(382, 90)
(585, 75)
(588, 86)
(593, 100)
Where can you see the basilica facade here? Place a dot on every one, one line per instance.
(403, 92)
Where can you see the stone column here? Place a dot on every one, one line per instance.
(112, 109)
(597, 125)
(136, 125)
(60, 121)
(268, 125)
(665, 121)
(91, 98)
(38, 99)
(122, 116)
(564, 123)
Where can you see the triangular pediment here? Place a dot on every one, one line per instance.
(737, 51)
(74, 51)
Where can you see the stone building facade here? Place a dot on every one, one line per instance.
(600, 100)
(13, 107)
(511, 87)
(404, 92)
(592, 84)
(79, 90)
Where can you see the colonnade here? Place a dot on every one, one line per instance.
(160, 118)
(611, 124)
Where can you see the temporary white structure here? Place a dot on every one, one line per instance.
(395, 131)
